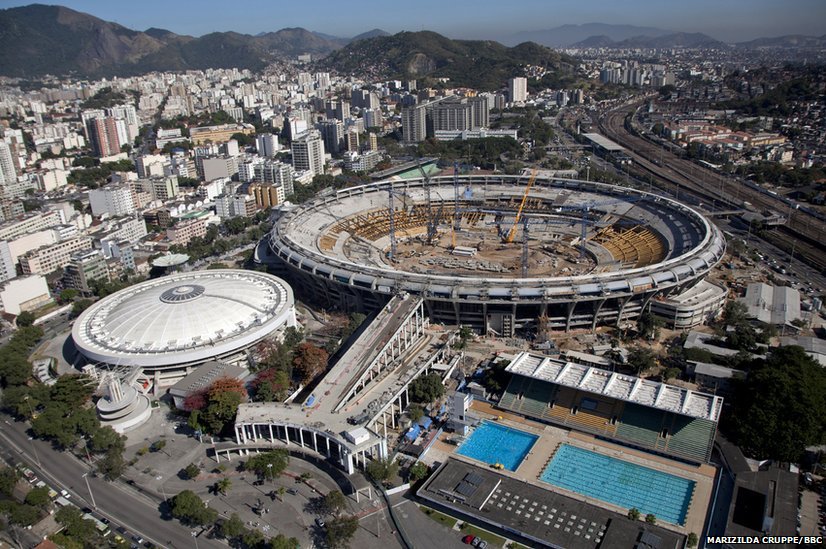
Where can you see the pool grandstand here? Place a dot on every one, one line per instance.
(656, 417)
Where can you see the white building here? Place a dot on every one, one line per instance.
(267, 144)
(308, 153)
(24, 293)
(112, 200)
(518, 89)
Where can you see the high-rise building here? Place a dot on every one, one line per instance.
(352, 139)
(308, 153)
(372, 141)
(7, 172)
(373, 118)
(518, 89)
(105, 136)
(83, 268)
(414, 124)
(480, 112)
(365, 99)
(332, 132)
(113, 200)
(267, 195)
(451, 115)
(267, 144)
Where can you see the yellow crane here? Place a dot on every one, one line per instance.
(512, 232)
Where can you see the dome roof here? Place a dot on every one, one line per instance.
(183, 318)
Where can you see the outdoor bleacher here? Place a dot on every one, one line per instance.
(644, 414)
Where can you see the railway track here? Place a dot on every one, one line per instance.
(802, 233)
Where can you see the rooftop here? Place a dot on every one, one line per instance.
(544, 516)
(777, 305)
(624, 387)
(202, 376)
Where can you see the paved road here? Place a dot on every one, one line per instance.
(119, 504)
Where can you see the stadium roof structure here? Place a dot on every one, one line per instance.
(170, 260)
(184, 318)
(624, 387)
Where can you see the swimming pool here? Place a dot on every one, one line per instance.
(621, 483)
(493, 443)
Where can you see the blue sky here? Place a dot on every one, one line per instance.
(494, 19)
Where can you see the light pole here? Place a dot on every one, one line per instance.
(89, 487)
(31, 439)
(195, 537)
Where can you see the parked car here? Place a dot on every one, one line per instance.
(469, 539)
(320, 522)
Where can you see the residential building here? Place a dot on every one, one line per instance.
(414, 124)
(24, 293)
(518, 89)
(373, 118)
(450, 135)
(105, 134)
(160, 217)
(31, 223)
(372, 142)
(308, 153)
(186, 230)
(356, 162)
(83, 268)
(48, 259)
(278, 173)
(151, 165)
(112, 200)
(352, 140)
(267, 195)
(8, 173)
(267, 144)
(219, 167)
(332, 133)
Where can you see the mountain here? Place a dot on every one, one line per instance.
(675, 40)
(37, 40)
(474, 63)
(788, 41)
(567, 35)
(370, 34)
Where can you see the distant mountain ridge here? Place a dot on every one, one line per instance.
(567, 35)
(38, 39)
(481, 64)
(674, 40)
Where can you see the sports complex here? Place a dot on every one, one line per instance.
(500, 253)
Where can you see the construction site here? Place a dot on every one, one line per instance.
(497, 252)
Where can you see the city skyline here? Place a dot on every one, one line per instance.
(727, 20)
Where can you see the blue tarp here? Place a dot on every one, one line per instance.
(425, 422)
(413, 432)
(443, 409)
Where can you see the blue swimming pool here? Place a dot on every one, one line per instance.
(621, 483)
(493, 443)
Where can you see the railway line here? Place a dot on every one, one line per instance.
(802, 233)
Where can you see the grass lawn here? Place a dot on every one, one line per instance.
(441, 518)
(493, 539)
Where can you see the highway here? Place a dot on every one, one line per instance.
(802, 231)
(120, 504)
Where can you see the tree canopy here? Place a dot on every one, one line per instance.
(268, 465)
(191, 510)
(780, 408)
(427, 388)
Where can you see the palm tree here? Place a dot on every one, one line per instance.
(222, 486)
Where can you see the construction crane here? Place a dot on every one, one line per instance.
(391, 206)
(431, 220)
(512, 232)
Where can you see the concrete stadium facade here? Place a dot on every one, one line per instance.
(308, 244)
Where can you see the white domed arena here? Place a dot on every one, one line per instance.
(167, 325)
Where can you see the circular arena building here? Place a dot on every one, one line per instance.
(168, 324)
(582, 254)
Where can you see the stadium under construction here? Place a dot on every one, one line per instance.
(500, 253)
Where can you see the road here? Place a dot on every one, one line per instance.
(137, 513)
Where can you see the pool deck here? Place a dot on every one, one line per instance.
(551, 437)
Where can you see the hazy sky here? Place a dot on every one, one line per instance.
(494, 19)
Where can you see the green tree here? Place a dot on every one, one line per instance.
(650, 518)
(157, 446)
(191, 510)
(669, 374)
(734, 313)
(269, 465)
(418, 471)
(641, 360)
(692, 539)
(112, 465)
(38, 497)
(634, 513)
(293, 336)
(105, 439)
(426, 389)
(233, 527)
(8, 479)
(341, 530)
(780, 408)
(648, 326)
(415, 412)
(25, 319)
(222, 400)
(192, 471)
(382, 470)
(23, 515)
(222, 486)
(76, 527)
(271, 385)
(334, 502)
(80, 305)
(283, 542)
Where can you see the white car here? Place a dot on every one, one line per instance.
(65, 494)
